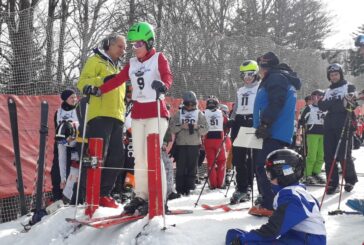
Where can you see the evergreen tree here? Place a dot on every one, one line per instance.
(356, 61)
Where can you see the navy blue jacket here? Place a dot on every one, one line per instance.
(276, 102)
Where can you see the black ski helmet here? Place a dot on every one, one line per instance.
(64, 130)
(335, 67)
(189, 98)
(318, 92)
(286, 165)
(212, 102)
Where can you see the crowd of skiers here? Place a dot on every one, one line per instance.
(126, 104)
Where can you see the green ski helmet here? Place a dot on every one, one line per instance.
(249, 68)
(142, 31)
(249, 65)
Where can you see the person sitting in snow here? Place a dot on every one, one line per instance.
(296, 217)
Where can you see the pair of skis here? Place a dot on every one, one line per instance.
(104, 222)
(226, 207)
(39, 212)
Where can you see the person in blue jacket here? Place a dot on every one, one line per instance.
(273, 118)
(296, 218)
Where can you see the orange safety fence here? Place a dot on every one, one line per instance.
(28, 108)
(28, 111)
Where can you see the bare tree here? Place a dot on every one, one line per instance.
(52, 4)
(20, 26)
(64, 14)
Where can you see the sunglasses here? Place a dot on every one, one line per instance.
(247, 74)
(138, 44)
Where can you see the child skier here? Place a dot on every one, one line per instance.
(242, 116)
(214, 143)
(67, 123)
(188, 125)
(296, 218)
(312, 119)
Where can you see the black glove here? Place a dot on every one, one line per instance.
(350, 102)
(159, 87)
(91, 90)
(262, 131)
(107, 78)
(230, 123)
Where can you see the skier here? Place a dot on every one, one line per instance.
(66, 134)
(242, 116)
(106, 113)
(213, 142)
(296, 218)
(66, 123)
(273, 116)
(150, 76)
(312, 118)
(336, 101)
(188, 125)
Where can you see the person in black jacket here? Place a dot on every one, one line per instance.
(336, 102)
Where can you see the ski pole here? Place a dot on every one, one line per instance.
(231, 179)
(81, 154)
(212, 166)
(159, 95)
(252, 173)
(334, 159)
(344, 161)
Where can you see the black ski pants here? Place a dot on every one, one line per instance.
(331, 140)
(111, 130)
(186, 167)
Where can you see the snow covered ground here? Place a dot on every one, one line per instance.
(201, 227)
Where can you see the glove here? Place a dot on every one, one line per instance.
(230, 123)
(107, 78)
(262, 131)
(350, 102)
(159, 87)
(91, 90)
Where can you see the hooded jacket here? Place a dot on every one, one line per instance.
(93, 73)
(275, 103)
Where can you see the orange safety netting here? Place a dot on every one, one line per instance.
(28, 108)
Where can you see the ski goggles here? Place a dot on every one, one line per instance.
(246, 74)
(334, 68)
(138, 44)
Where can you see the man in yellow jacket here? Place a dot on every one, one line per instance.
(106, 112)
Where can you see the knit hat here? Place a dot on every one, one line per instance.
(66, 94)
(268, 60)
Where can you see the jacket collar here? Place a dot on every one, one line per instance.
(103, 55)
(148, 55)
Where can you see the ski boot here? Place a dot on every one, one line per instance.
(259, 200)
(239, 197)
(319, 179)
(348, 187)
(137, 205)
(309, 180)
(173, 195)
